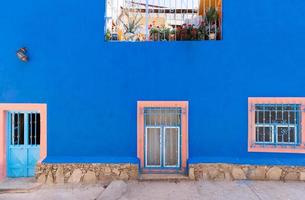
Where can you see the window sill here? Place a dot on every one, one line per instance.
(279, 148)
(288, 145)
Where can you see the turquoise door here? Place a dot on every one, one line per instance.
(23, 143)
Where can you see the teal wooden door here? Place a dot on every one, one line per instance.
(23, 143)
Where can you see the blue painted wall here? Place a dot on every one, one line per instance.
(91, 87)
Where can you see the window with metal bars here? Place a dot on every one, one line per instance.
(277, 124)
(25, 128)
(162, 116)
(162, 136)
(163, 20)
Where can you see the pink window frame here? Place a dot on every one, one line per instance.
(4, 108)
(251, 125)
(184, 127)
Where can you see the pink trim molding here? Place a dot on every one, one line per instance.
(42, 108)
(184, 127)
(251, 125)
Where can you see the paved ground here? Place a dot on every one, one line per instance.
(66, 192)
(185, 190)
(243, 190)
(20, 183)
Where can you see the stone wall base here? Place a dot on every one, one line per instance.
(93, 173)
(84, 173)
(245, 172)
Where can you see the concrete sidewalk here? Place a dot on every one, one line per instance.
(184, 190)
(243, 190)
(19, 185)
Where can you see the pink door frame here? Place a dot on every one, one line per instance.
(4, 108)
(184, 127)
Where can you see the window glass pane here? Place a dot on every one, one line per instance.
(286, 134)
(292, 117)
(18, 129)
(12, 128)
(171, 146)
(21, 124)
(285, 117)
(267, 115)
(38, 129)
(34, 129)
(260, 117)
(273, 116)
(279, 114)
(263, 134)
(153, 146)
(30, 129)
(162, 116)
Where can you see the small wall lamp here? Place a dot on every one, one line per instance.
(21, 54)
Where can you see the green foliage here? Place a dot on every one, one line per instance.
(211, 15)
(159, 34)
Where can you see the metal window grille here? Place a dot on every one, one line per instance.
(17, 129)
(163, 20)
(277, 124)
(161, 116)
(34, 129)
(25, 128)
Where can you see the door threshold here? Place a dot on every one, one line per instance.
(163, 177)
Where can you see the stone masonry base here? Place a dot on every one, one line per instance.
(92, 173)
(84, 173)
(245, 172)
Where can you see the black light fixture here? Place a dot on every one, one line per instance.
(21, 54)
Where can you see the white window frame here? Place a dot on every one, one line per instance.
(272, 133)
(286, 126)
(160, 137)
(178, 146)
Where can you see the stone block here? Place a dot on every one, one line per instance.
(124, 176)
(257, 173)
(107, 171)
(192, 173)
(41, 178)
(238, 173)
(50, 179)
(228, 176)
(212, 172)
(116, 171)
(292, 176)
(89, 178)
(302, 176)
(76, 176)
(59, 176)
(274, 173)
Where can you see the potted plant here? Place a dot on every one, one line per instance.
(212, 23)
(164, 34)
(108, 35)
(211, 15)
(202, 31)
(131, 25)
(172, 35)
(154, 33)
